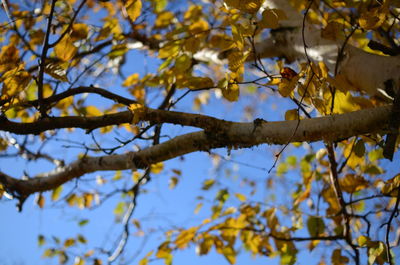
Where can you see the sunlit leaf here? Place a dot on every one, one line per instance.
(65, 49)
(164, 19)
(56, 193)
(133, 8)
(157, 168)
(40, 200)
(374, 18)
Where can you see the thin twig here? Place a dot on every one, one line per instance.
(42, 107)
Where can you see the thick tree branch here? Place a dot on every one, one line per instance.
(334, 127)
(217, 133)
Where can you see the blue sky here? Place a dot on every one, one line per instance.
(158, 209)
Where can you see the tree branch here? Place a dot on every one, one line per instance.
(218, 133)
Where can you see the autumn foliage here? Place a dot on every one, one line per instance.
(121, 73)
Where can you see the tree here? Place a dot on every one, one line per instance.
(66, 67)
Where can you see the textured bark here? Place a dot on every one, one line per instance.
(217, 133)
(364, 71)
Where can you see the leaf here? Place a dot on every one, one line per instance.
(374, 18)
(230, 254)
(315, 225)
(138, 110)
(173, 181)
(247, 6)
(15, 80)
(207, 184)
(231, 92)
(270, 18)
(157, 168)
(196, 82)
(55, 194)
(79, 31)
(169, 50)
(41, 240)
(71, 200)
(119, 209)
(164, 252)
(198, 208)
(164, 19)
(65, 49)
(286, 87)
(292, 115)
(83, 222)
(352, 183)
(338, 259)
(9, 57)
(359, 148)
(198, 27)
(92, 111)
(184, 237)
(56, 71)
(40, 200)
(133, 8)
(240, 197)
(69, 242)
(363, 240)
(81, 239)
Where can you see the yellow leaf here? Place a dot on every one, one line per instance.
(137, 110)
(164, 252)
(131, 80)
(164, 19)
(56, 71)
(157, 168)
(88, 199)
(270, 18)
(144, 261)
(79, 31)
(65, 49)
(198, 208)
(241, 197)
(231, 92)
(56, 193)
(338, 259)
(183, 63)
(9, 57)
(374, 18)
(69, 242)
(221, 41)
(71, 200)
(183, 239)
(173, 181)
(92, 111)
(133, 8)
(363, 240)
(36, 37)
(248, 6)
(230, 254)
(199, 27)
(193, 13)
(286, 87)
(343, 102)
(40, 200)
(236, 60)
(195, 82)
(14, 81)
(169, 50)
(237, 36)
(292, 115)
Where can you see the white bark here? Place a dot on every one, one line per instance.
(365, 71)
